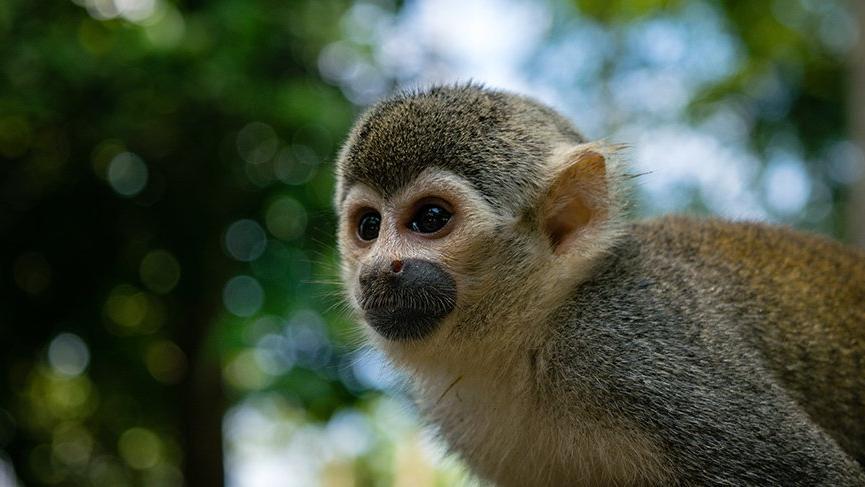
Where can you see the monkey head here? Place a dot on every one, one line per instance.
(452, 198)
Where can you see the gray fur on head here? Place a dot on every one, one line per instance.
(497, 141)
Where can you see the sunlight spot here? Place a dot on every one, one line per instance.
(127, 174)
(286, 218)
(68, 355)
(787, 186)
(245, 240)
(243, 296)
(140, 448)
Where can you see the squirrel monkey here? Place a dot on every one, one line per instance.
(552, 342)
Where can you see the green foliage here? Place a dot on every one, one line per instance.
(789, 86)
(130, 147)
(625, 11)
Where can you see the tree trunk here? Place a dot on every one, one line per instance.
(203, 406)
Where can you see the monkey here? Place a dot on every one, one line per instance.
(550, 340)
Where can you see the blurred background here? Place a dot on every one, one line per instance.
(168, 307)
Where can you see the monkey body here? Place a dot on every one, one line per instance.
(571, 348)
(714, 340)
(634, 360)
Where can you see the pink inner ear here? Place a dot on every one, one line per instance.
(563, 223)
(574, 199)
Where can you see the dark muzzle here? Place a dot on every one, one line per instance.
(406, 300)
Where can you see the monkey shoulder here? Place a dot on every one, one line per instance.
(710, 336)
(714, 262)
(735, 295)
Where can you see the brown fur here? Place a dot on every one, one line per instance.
(810, 293)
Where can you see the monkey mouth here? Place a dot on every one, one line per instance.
(404, 324)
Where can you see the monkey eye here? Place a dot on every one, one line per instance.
(429, 219)
(367, 228)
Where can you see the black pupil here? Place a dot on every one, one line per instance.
(368, 227)
(429, 219)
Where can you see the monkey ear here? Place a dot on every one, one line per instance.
(576, 199)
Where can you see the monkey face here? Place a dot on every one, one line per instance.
(464, 211)
(402, 255)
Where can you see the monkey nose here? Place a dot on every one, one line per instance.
(396, 266)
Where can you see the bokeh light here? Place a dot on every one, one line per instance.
(140, 448)
(243, 296)
(135, 10)
(165, 361)
(787, 186)
(296, 165)
(286, 218)
(132, 311)
(244, 371)
(245, 240)
(127, 174)
(72, 444)
(257, 143)
(68, 355)
(159, 271)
